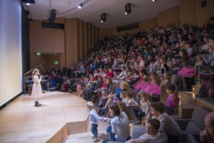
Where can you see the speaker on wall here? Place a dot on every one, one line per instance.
(52, 16)
(203, 3)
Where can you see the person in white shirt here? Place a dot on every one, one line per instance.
(123, 97)
(144, 108)
(142, 62)
(119, 129)
(205, 46)
(122, 74)
(93, 118)
(130, 100)
(152, 133)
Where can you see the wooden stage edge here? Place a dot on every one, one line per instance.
(61, 115)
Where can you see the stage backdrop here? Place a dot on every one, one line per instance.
(10, 50)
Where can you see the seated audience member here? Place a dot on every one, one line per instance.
(133, 78)
(130, 99)
(123, 97)
(144, 108)
(167, 124)
(119, 129)
(114, 97)
(210, 57)
(163, 65)
(205, 47)
(166, 79)
(105, 91)
(207, 135)
(172, 100)
(152, 133)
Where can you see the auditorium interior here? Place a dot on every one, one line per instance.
(113, 71)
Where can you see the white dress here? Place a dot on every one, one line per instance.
(36, 89)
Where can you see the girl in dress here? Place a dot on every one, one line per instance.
(36, 90)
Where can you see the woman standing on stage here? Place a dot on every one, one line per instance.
(36, 89)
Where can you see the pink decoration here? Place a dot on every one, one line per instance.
(187, 72)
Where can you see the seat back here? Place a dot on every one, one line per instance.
(197, 121)
(130, 112)
(163, 95)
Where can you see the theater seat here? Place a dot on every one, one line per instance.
(137, 132)
(193, 125)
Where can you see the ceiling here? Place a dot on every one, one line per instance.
(92, 9)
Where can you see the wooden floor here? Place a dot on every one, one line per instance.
(61, 114)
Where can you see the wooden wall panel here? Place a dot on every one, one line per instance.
(169, 16)
(188, 12)
(204, 13)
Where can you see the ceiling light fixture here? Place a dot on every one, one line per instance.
(52, 16)
(80, 6)
(103, 17)
(154, 0)
(128, 8)
(28, 2)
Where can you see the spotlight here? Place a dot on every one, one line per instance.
(154, 0)
(103, 17)
(52, 16)
(28, 2)
(80, 6)
(128, 8)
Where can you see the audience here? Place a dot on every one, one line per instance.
(125, 62)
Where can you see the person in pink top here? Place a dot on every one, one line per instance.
(172, 100)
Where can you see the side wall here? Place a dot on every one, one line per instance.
(65, 46)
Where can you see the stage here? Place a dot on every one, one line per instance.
(61, 114)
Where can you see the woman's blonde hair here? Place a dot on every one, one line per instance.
(125, 84)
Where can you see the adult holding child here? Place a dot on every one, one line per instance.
(119, 129)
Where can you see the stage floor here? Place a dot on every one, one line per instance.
(21, 122)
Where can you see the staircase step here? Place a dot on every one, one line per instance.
(87, 137)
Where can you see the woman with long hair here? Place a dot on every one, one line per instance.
(119, 129)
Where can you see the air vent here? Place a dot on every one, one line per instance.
(52, 25)
(128, 27)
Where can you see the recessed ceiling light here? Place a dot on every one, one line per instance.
(80, 6)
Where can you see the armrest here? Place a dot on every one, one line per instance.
(114, 142)
(193, 138)
(182, 123)
(137, 132)
(182, 137)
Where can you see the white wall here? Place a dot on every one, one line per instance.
(10, 50)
